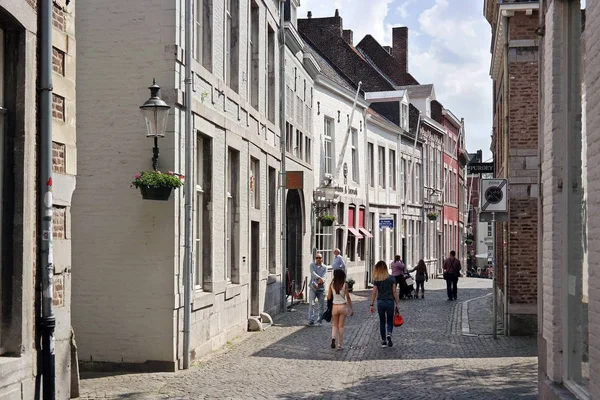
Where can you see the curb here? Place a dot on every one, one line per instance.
(466, 329)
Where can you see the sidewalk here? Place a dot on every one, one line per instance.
(477, 317)
(431, 359)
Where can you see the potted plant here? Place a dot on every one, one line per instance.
(326, 220)
(432, 215)
(155, 185)
(469, 242)
(350, 283)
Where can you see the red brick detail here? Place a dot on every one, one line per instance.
(58, 107)
(59, 222)
(522, 245)
(58, 61)
(523, 26)
(523, 104)
(58, 157)
(58, 290)
(58, 17)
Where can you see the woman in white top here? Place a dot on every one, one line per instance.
(338, 291)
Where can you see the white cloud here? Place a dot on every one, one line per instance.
(402, 9)
(455, 57)
(362, 20)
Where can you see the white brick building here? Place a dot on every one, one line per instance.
(569, 286)
(128, 297)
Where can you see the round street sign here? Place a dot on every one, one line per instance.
(494, 194)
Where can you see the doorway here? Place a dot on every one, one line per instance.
(294, 238)
(255, 268)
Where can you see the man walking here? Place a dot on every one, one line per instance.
(338, 261)
(452, 269)
(318, 272)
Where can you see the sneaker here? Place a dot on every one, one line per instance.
(384, 343)
(333, 343)
(320, 323)
(310, 323)
(389, 341)
(339, 348)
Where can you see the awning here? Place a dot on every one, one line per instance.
(355, 232)
(365, 232)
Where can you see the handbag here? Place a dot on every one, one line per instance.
(328, 313)
(398, 320)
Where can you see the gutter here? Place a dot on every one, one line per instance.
(48, 320)
(505, 94)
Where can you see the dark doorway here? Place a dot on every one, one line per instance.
(294, 238)
(255, 268)
(404, 250)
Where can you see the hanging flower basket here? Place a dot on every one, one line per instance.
(432, 216)
(154, 185)
(469, 242)
(326, 220)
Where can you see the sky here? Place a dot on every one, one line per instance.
(448, 45)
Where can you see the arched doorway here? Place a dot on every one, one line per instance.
(294, 221)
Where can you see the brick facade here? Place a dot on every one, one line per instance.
(58, 61)
(514, 147)
(58, 17)
(58, 107)
(58, 157)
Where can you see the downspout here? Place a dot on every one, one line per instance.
(189, 198)
(48, 322)
(506, 163)
(412, 167)
(366, 220)
(540, 211)
(282, 134)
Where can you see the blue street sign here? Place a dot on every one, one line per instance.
(386, 221)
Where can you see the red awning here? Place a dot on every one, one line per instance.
(355, 232)
(365, 232)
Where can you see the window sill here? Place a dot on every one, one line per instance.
(233, 290)
(202, 300)
(272, 278)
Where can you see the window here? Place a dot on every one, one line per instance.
(308, 150)
(371, 164)
(231, 43)
(405, 179)
(324, 238)
(255, 55)
(202, 229)
(298, 150)
(289, 137)
(272, 221)
(351, 243)
(355, 165)
(203, 33)
(489, 229)
(328, 144)
(271, 74)
(360, 247)
(392, 162)
(254, 183)
(404, 116)
(381, 166)
(232, 215)
(438, 169)
(417, 187)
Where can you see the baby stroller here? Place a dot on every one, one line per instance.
(407, 289)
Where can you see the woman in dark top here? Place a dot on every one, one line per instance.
(421, 277)
(384, 288)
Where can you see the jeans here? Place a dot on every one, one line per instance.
(451, 288)
(320, 295)
(420, 284)
(385, 309)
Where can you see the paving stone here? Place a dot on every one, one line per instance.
(430, 359)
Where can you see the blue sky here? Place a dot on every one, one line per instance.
(449, 46)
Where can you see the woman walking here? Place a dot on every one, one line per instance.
(384, 288)
(398, 270)
(421, 277)
(338, 291)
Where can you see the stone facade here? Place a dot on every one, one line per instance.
(135, 321)
(514, 146)
(19, 330)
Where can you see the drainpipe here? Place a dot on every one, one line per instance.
(367, 222)
(283, 144)
(189, 192)
(506, 163)
(540, 210)
(48, 322)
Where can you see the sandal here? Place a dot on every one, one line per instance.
(333, 343)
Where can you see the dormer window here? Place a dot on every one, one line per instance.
(404, 117)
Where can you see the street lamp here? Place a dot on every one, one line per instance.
(156, 113)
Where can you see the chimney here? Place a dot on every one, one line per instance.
(400, 47)
(309, 15)
(348, 36)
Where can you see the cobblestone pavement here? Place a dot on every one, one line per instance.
(431, 359)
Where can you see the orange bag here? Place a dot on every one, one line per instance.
(398, 320)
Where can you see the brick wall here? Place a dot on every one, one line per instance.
(58, 61)
(58, 107)
(59, 222)
(58, 17)
(522, 26)
(523, 100)
(522, 245)
(58, 157)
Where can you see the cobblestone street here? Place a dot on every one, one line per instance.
(441, 352)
